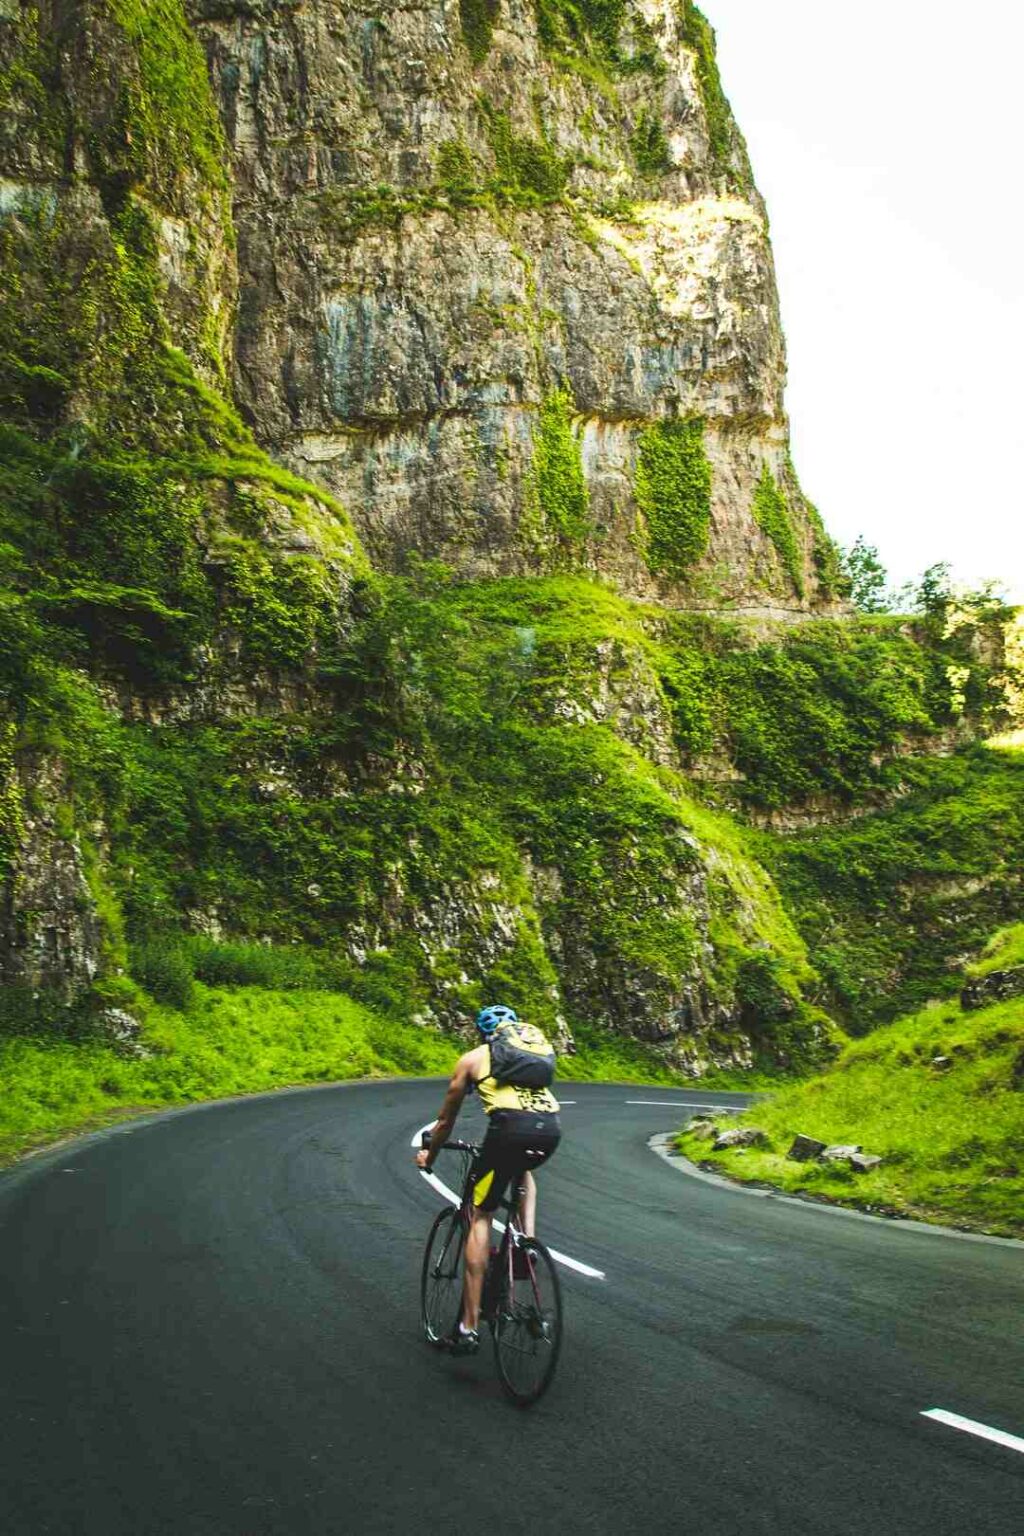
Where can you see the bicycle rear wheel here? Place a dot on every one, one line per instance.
(527, 1327)
(441, 1279)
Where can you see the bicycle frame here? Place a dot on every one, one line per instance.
(500, 1263)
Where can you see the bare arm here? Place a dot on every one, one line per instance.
(461, 1082)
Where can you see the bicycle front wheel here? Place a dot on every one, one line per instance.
(441, 1280)
(528, 1325)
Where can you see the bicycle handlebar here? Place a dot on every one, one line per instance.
(449, 1146)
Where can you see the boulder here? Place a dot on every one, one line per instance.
(804, 1148)
(703, 1130)
(863, 1162)
(996, 987)
(839, 1153)
(740, 1136)
(122, 1032)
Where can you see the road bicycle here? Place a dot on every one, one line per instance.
(522, 1299)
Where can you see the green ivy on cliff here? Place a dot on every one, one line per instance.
(527, 170)
(771, 513)
(606, 33)
(165, 122)
(649, 145)
(673, 492)
(557, 480)
(698, 35)
(478, 18)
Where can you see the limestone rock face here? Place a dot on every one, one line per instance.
(49, 931)
(433, 240)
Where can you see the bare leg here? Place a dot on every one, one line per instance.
(478, 1245)
(528, 1205)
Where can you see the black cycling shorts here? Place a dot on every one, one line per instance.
(517, 1139)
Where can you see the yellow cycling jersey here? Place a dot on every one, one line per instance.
(495, 1095)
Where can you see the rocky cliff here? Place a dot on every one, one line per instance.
(473, 236)
(298, 295)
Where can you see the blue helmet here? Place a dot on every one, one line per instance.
(488, 1019)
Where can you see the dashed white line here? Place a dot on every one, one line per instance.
(450, 1195)
(972, 1427)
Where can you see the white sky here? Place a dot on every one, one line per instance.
(886, 139)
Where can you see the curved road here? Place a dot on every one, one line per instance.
(208, 1327)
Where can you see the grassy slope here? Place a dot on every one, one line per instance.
(230, 1041)
(952, 1136)
(1003, 952)
(239, 1040)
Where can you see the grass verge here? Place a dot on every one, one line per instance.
(939, 1095)
(239, 1040)
(230, 1041)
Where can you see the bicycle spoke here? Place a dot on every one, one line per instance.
(441, 1279)
(528, 1327)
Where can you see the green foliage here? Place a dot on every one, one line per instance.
(12, 820)
(867, 577)
(673, 491)
(558, 479)
(819, 711)
(564, 24)
(827, 557)
(528, 170)
(649, 145)
(890, 902)
(952, 1140)
(30, 74)
(165, 970)
(112, 521)
(478, 18)
(698, 34)
(602, 33)
(165, 123)
(456, 170)
(771, 513)
(243, 1041)
(1004, 951)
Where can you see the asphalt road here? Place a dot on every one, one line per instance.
(209, 1327)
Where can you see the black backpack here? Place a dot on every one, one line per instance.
(522, 1055)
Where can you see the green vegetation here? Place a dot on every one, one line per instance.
(456, 170)
(227, 1039)
(673, 492)
(771, 513)
(867, 577)
(528, 170)
(938, 1095)
(699, 35)
(558, 481)
(1003, 952)
(649, 145)
(890, 902)
(228, 1042)
(601, 33)
(478, 18)
(164, 123)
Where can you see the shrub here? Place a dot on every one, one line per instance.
(673, 491)
(165, 968)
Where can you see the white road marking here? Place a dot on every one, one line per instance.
(685, 1104)
(453, 1199)
(972, 1427)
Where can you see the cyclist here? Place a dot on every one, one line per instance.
(511, 1071)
